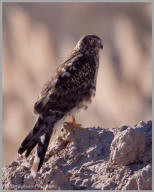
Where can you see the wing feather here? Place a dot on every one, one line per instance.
(70, 85)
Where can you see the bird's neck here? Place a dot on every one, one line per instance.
(88, 51)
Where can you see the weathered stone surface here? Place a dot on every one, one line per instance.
(96, 158)
(132, 144)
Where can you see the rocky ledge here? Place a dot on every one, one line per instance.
(94, 158)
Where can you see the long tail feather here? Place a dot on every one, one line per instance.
(32, 138)
(42, 148)
(40, 135)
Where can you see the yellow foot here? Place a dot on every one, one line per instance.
(74, 124)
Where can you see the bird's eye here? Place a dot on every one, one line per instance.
(92, 41)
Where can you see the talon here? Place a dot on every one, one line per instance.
(74, 124)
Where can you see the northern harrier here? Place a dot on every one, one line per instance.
(70, 89)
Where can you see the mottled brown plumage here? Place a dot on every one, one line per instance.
(69, 90)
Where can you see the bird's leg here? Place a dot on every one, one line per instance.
(74, 124)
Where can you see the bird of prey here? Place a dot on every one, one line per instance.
(70, 89)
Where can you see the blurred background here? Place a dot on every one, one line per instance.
(37, 37)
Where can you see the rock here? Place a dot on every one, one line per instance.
(132, 144)
(141, 180)
(96, 158)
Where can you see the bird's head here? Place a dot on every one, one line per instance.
(90, 43)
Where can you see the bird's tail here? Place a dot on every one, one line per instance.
(41, 150)
(40, 135)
